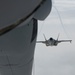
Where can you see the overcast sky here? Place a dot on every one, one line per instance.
(59, 60)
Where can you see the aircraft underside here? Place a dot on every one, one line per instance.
(18, 32)
(17, 50)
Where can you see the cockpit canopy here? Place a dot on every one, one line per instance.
(51, 39)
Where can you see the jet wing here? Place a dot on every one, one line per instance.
(40, 42)
(65, 41)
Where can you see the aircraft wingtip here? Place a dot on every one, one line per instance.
(70, 41)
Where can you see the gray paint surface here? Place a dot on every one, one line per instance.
(16, 49)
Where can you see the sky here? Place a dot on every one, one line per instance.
(57, 60)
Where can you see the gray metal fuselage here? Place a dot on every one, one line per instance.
(51, 42)
(17, 51)
(17, 43)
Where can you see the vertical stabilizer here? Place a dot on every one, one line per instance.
(44, 37)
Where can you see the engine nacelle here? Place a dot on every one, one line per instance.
(44, 10)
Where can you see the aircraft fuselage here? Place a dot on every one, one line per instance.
(51, 42)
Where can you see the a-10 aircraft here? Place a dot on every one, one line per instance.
(52, 42)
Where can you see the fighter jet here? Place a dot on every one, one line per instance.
(52, 42)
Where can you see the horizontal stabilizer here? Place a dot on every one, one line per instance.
(40, 41)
